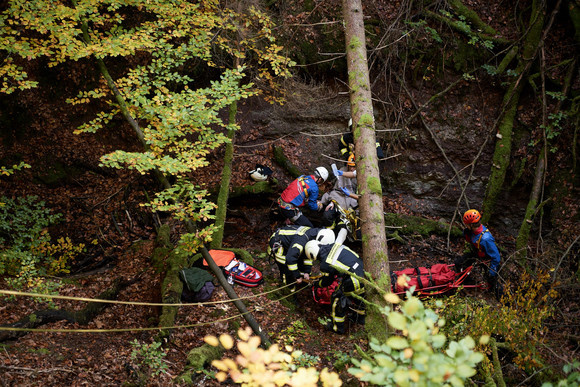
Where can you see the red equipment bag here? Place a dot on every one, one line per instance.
(423, 277)
(324, 295)
(235, 270)
(243, 274)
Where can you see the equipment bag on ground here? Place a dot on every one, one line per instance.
(197, 285)
(235, 270)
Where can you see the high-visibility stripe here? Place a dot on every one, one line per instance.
(298, 246)
(303, 185)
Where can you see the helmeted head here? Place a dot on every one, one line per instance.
(471, 216)
(322, 173)
(311, 249)
(350, 161)
(325, 236)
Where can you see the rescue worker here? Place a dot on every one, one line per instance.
(482, 248)
(334, 260)
(345, 187)
(302, 192)
(346, 144)
(344, 194)
(286, 246)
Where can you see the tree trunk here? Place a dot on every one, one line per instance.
(83, 316)
(374, 240)
(503, 146)
(222, 201)
(189, 225)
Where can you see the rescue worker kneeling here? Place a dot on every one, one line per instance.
(286, 246)
(339, 260)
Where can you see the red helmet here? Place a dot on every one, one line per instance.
(471, 216)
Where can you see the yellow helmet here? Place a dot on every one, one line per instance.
(350, 161)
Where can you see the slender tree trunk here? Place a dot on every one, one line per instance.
(222, 201)
(190, 226)
(503, 146)
(374, 240)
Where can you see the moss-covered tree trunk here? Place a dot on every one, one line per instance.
(531, 209)
(222, 202)
(374, 240)
(503, 145)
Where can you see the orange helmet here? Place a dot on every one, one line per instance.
(471, 216)
(350, 161)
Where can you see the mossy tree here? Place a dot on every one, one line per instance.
(253, 45)
(170, 115)
(503, 145)
(374, 240)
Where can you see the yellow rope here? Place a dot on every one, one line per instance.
(39, 295)
(13, 329)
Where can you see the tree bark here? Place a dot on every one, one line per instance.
(222, 201)
(190, 226)
(503, 146)
(374, 240)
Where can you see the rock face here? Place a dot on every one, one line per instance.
(426, 159)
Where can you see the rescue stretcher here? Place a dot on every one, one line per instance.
(437, 279)
(427, 281)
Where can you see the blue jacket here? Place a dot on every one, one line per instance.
(302, 191)
(484, 244)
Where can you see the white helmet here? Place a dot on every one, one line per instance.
(257, 175)
(325, 236)
(260, 173)
(311, 249)
(350, 123)
(322, 173)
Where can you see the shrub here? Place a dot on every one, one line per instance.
(148, 360)
(255, 366)
(416, 355)
(518, 320)
(27, 254)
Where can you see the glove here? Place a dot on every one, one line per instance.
(339, 172)
(345, 191)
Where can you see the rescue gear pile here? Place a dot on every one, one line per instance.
(235, 270)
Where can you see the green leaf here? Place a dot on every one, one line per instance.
(397, 321)
(397, 342)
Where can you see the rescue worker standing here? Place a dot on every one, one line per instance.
(286, 246)
(483, 248)
(302, 192)
(335, 259)
(346, 144)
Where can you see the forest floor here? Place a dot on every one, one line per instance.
(104, 205)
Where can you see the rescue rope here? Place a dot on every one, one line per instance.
(39, 295)
(63, 330)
